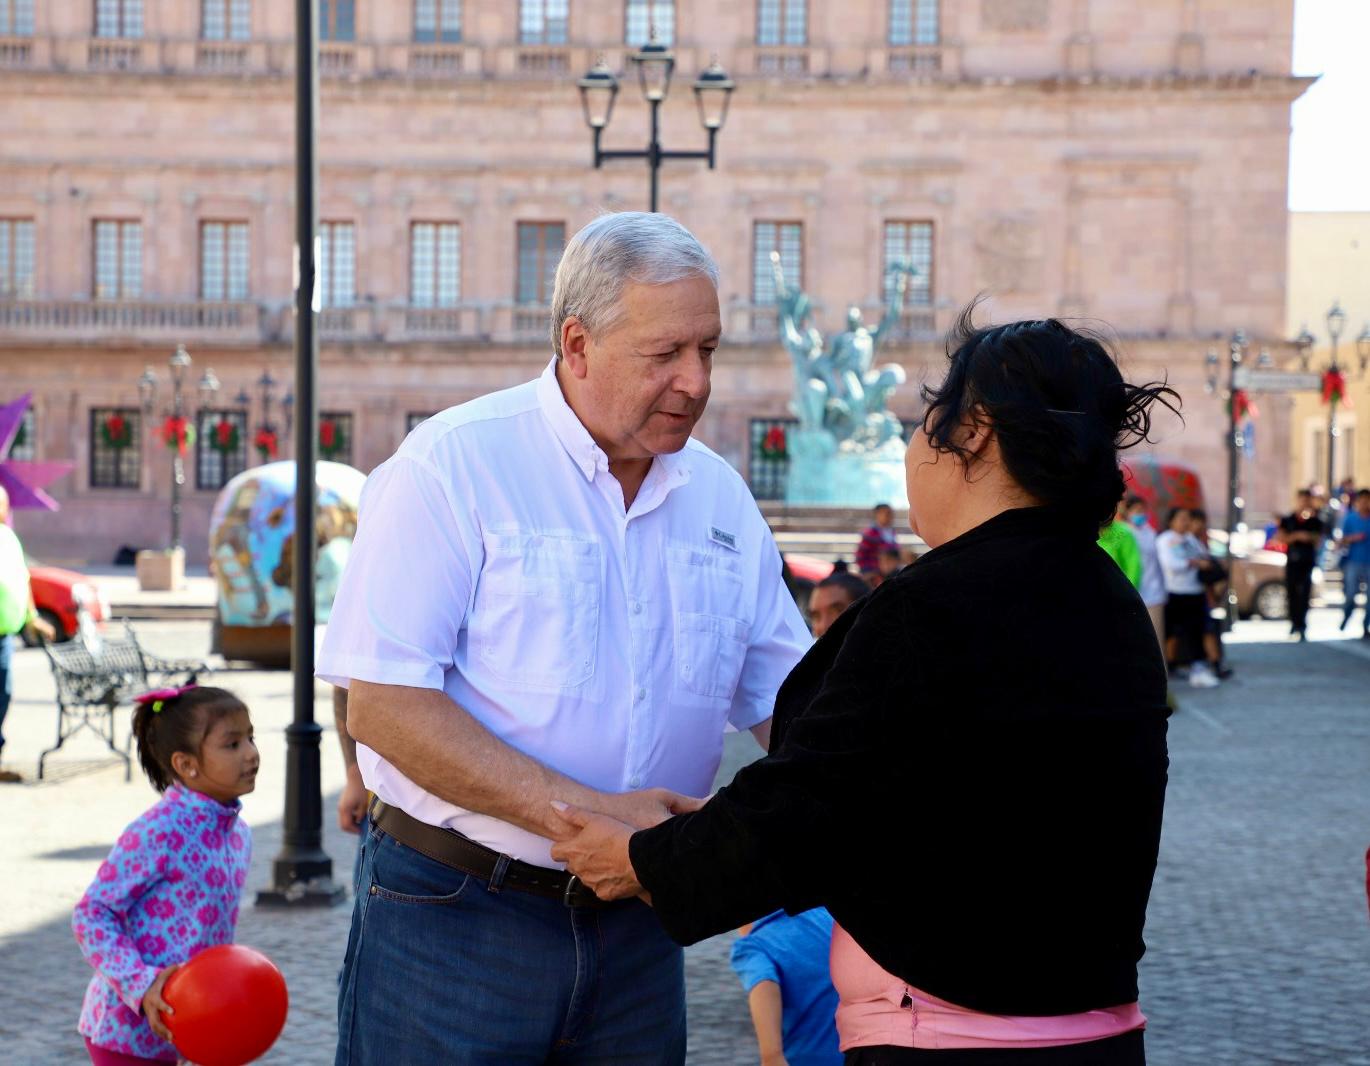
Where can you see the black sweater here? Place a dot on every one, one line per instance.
(968, 771)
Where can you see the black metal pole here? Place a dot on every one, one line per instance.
(1332, 443)
(178, 470)
(654, 152)
(1234, 512)
(302, 872)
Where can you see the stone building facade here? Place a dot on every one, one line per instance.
(1115, 159)
(1329, 264)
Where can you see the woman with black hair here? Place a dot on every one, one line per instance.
(968, 770)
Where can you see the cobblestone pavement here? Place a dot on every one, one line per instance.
(1259, 950)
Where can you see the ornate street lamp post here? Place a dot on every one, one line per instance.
(655, 65)
(1237, 348)
(179, 421)
(302, 872)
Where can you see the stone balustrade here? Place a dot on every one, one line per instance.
(364, 59)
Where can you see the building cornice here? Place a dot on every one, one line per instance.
(796, 90)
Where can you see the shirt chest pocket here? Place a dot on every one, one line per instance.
(535, 622)
(710, 623)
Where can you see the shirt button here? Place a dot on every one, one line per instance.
(637, 607)
(635, 782)
(641, 694)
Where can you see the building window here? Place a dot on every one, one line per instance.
(220, 446)
(913, 22)
(435, 264)
(768, 457)
(337, 264)
(335, 436)
(16, 258)
(543, 21)
(116, 451)
(118, 259)
(539, 252)
(16, 18)
(648, 18)
(223, 260)
(437, 21)
(414, 419)
(909, 242)
(225, 20)
(337, 20)
(25, 443)
(787, 238)
(118, 18)
(782, 22)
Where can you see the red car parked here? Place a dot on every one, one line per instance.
(58, 593)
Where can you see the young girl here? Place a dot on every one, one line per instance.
(171, 884)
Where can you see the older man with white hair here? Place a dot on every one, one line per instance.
(555, 594)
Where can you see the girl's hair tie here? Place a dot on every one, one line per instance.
(158, 696)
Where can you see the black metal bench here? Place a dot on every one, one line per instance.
(94, 675)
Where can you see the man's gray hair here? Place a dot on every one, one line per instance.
(649, 249)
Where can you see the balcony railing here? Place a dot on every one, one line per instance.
(89, 321)
(784, 61)
(337, 58)
(370, 58)
(16, 51)
(223, 57)
(749, 323)
(444, 60)
(108, 54)
(434, 323)
(84, 322)
(916, 61)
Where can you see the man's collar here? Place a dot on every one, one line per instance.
(588, 456)
(567, 426)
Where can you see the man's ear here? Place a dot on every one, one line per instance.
(574, 344)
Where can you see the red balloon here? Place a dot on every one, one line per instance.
(230, 1004)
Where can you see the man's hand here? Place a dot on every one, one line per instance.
(154, 1005)
(647, 808)
(44, 629)
(352, 802)
(595, 849)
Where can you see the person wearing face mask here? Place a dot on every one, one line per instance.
(1152, 586)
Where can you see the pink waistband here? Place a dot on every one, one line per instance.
(876, 1008)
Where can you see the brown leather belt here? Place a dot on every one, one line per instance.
(460, 853)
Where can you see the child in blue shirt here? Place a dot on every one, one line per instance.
(782, 962)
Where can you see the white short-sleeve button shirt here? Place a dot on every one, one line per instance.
(494, 561)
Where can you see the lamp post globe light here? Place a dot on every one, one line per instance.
(1363, 347)
(179, 421)
(655, 66)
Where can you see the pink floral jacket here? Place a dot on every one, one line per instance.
(169, 889)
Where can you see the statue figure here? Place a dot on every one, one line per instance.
(837, 389)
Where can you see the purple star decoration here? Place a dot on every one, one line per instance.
(25, 481)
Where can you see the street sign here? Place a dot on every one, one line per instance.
(1275, 381)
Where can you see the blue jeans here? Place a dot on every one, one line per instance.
(6, 682)
(1353, 576)
(445, 967)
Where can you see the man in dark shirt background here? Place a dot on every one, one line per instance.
(1301, 532)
